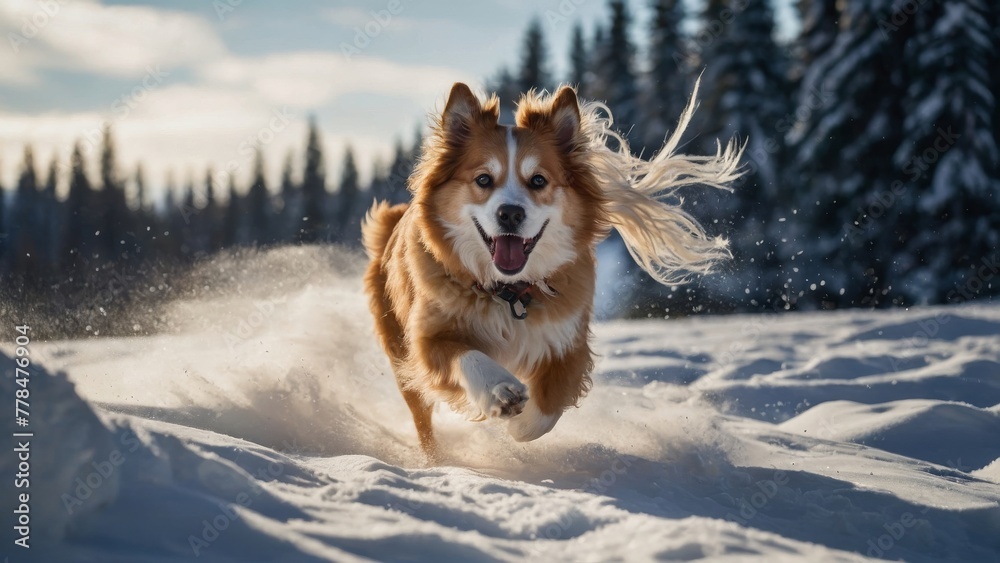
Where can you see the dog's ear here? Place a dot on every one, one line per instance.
(565, 114)
(461, 110)
(560, 112)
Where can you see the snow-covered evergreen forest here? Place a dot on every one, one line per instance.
(873, 174)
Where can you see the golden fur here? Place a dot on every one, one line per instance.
(445, 339)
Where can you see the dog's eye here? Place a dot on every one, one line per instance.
(538, 181)
(484, 181)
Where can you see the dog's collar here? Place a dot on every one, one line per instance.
(516, 295)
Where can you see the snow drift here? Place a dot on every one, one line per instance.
(266, 426)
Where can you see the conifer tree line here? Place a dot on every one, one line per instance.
(110, 222)
(873, 170)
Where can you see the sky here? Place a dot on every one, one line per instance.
(188, 85)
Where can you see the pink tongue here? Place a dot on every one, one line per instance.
(509, 253)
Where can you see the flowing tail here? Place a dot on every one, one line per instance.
(643, 204)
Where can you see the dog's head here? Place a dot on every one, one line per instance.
(508, 203)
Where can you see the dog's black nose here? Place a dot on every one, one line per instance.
(510, 217)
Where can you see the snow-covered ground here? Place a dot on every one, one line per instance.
(266, 427)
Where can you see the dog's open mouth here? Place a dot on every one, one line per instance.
(510, 252)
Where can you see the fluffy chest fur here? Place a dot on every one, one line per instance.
(521, 345)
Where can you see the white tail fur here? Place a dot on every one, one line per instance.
(662, 238)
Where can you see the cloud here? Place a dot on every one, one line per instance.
(309, 79)
(213, 104)
(350, 16)
(118, 41)
(17, 68)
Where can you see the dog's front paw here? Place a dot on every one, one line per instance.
(508, 399)
(490, 388)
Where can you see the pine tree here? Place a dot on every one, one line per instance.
(843, 153)
(819, 31)
(399, 171)
(231, 231)
(259, 203)
(579, 61)
(116, 217)
(667, 87)
(616, 81)
(745, 93)
(189, 201)
(78, 241)
(210, 202)
(598, 52)
(26, 230)
(142, 218)
(613, 80)
(534, 73)
(949, 152)
(27, 183)
(378, 187)
(594, 76)
(314, 225)
(508, 89)
(172, 240)
(52, 214)
(994, 12)
(347, 220)
(290, 203)
(170, 195)
(190, 216)
(140, 202)
(209, 229)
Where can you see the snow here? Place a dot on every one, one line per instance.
(266, 427)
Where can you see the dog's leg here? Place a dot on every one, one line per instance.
(533, 423)
(421, 411)
(489, 387)
(556, 385)
(466, 378)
